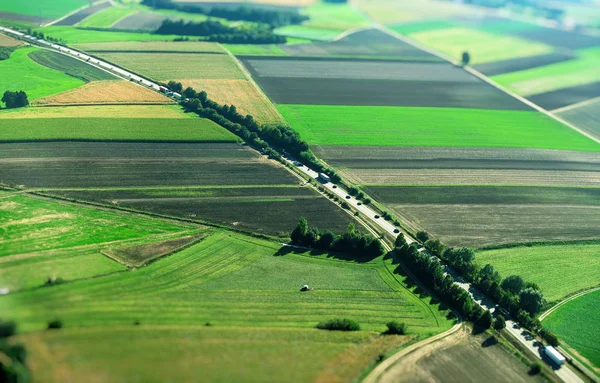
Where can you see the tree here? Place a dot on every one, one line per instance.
(299, 233)
(434, 246)
(466, 58)
(396, 328)
(490, 274)
(535, 368)
(326, 240)
(485, 320)
(400, 240)
(513, 284)
(423, 236)
(531, 300)
(500, 322)
(7, 328)
(549, 337)
(190, 93)
(15, 99)
(175, 86)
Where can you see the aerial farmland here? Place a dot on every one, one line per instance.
(303, 191)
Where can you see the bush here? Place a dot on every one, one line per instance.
(55, 325)
(7, 329)
(339, 325)
(423, 236)
(396, 328)
(535, 368)
(485, 320)
(549, 337)
(500, 322)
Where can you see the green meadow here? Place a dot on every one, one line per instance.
(20, 72)
(420, 126)
(105, 18)
(82, 36)
(47, 9)
(547, 266)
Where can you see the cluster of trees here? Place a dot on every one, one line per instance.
(262, 137)
(352, 242)
(15, 99)
(242, 13)
(431, 273)
(5, 52)
(217, 32)
(40, 35)
(339, 325)
(12, 356)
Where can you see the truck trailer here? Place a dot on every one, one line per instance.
(554, 355)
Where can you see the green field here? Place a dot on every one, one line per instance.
(105, 18)
(73, 35)
(307, 32)
(483, 46)
(118, 129)
(576, 324)
(70, 66)
(255, 50)
(153, 46)
(335, 17)
(46, 9)
(20, 72)
(581, 71)
(413, 126)
(548, 266)
(161, 67)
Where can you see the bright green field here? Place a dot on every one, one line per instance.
(583, 70)
(31, 224)
(20, 72)
(307, 32)
(576, 324)
(106, 17)
(81, 36)
(483, 46)
(124, 129)
(47, 9)
(413, 126)
(548, 265)
(334, 16)
(255, 50)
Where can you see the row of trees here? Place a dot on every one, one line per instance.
(270, 139)
(259, 15)
(360, 246)
(217, 32)
(15, 99)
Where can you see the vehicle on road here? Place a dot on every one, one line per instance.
(554, 355)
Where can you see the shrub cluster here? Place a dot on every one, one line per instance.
(396, 328)
(339, 325)
(352, 242)
(15, 99)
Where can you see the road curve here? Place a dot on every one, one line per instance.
(553, 308)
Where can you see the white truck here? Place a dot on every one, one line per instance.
(554, 355)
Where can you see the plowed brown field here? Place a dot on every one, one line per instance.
(106, 93)
(6, 41)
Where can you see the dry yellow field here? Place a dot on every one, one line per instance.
(106, 93)
(6, 41)
(241, 93)
(153, 46)
(97, 111)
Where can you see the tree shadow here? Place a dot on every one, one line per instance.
(490, 341)
(285, 250)
(477, 330)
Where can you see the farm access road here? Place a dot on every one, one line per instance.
(524, 337)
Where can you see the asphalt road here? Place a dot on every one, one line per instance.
(565, 373)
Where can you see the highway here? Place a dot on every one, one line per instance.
(367, 213)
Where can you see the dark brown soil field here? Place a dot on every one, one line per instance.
(370, 42)
(565, 97)
(460, 357)
(222, 183)
(86, 12)
(26, 18)
(483, 216)
(585, 117)
(141, 21)
(514, 65)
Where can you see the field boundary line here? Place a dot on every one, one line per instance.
(378, 371)
(576, 105)
(569, 299)
(486, 79)
(77, 10)
(249, 78)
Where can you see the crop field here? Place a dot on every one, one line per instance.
(106, 93)
(34, 224)
(141, 21)
(341, 125)
(514, 65)
(567, 96)
(256, 50)
(334, 16)
(99, 111)
(552, 77)
(116, 129)
(242, 93)
(375, 83)
(83, 14)
(307, 32)
(161, 67)
(548, 265)
(83, 36)
(70, 66)
(6, 41)
(47, 10)
(515, 214)
(221, 281)
(576, 325)
(222, 183)
(153, 47)
(388, 12)
(586, 117)
(20, 72)
(365, 43)
(105, 18)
